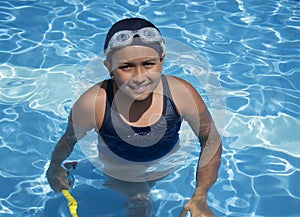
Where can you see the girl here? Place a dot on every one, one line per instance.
(137, 115)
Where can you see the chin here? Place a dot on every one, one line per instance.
(140, 97)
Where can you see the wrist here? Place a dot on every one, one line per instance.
(55, 163)
(200, 194)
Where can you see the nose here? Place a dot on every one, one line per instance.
(138, 76)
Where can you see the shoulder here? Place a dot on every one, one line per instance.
(90, 106)
(91, 96)
(185, 96)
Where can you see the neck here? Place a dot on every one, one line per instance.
(138, 108)
(130, 109)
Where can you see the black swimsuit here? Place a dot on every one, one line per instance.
(141, 144)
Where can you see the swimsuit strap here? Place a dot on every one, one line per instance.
(167, 95)
(110, 91)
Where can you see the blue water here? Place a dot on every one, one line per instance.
(252, 48)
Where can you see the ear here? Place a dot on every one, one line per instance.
(162, 57)
(107, 65)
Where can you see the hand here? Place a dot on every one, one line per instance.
(197, 208)
(57, 178)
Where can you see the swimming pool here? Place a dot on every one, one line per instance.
(253, 50)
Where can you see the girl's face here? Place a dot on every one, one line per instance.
(136, 71)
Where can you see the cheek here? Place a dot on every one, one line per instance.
(159, 67)
(156, 72)
(122, 78)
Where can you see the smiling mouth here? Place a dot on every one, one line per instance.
(139, 88)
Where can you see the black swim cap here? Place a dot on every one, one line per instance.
(133, 24)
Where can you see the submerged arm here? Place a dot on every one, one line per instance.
(208, 164)
(193, 109)
(82, 119)
(210, 155)
(65, 145)
(56, 175)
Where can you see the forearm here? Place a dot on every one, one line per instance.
(56, 175)
(207, 175)
(61, 151)
(210, 156)
(65, 145)
(204, 128)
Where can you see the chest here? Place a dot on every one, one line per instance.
(142, 114)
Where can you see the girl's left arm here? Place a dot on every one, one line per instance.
(193, 109)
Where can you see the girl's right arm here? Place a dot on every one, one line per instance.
(85, 115)
(56, 175)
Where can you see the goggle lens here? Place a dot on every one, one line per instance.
(122, 37)
(125, 37)
(149, 34)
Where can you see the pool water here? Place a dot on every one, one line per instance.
(252, 49)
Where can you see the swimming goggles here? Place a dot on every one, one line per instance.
(125, 38)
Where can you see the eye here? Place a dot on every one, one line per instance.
(125, 67)
(149, 64)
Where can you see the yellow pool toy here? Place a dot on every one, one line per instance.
(72, 203)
